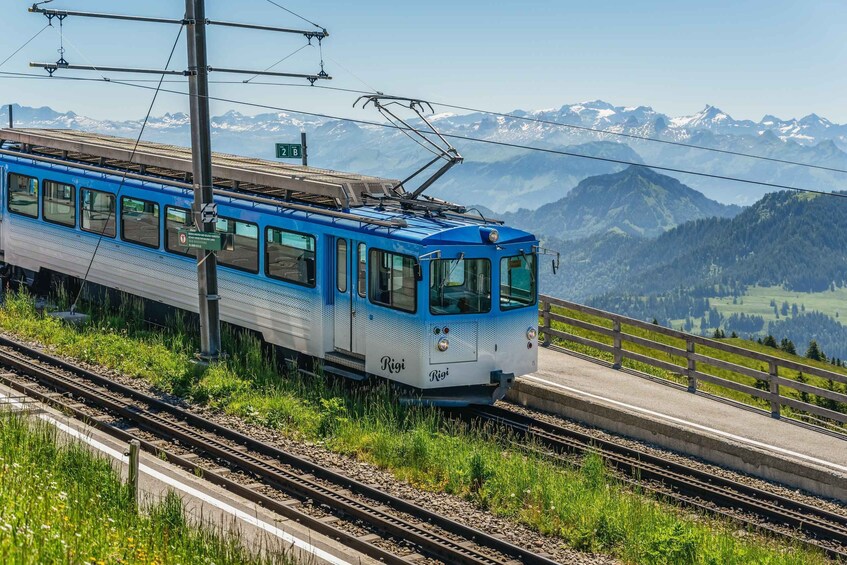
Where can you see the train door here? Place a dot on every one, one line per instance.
(348, 296)
(3, 189)
(359, 297)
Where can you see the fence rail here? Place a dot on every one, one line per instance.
(693, 362)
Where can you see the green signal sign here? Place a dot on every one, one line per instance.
(289, 151)
(210, 241)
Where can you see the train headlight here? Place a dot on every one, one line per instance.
(443, 344)
(493, 236)
(531, 333)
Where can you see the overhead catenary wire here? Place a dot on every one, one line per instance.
(458, 137)
(27, 42)
(278, 62)
(123, 178)
(578, 127)
(489, 112)
(517, 117)
(295, 14)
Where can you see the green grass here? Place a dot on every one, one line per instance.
(680, 378)
(61, 504)
(757, 301)
(580, 505)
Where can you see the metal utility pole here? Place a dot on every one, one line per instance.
(204, 211)
(302, 142)
(12, 121)
(201, 160)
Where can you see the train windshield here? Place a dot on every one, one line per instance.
(460, 286)
(517, 281)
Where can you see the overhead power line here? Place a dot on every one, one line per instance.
(295, 14)
(28, 41)
(586, 128)
(123, 179)
(459, 137)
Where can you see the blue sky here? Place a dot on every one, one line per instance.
(748, 58)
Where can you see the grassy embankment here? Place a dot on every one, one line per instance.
(757, 301)
(582, 506)
(715, 353)
(61, 504)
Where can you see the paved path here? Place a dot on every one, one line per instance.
(700, 412)
(722, 433)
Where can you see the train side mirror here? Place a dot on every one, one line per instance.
(556, 263)
(418, 272)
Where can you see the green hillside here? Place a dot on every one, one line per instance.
(724, 272)
(637, 201)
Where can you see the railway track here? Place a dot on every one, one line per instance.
(352, 504)
(756, 508)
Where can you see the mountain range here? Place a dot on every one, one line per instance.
(636, 201)
(786, 239)
(507, 178)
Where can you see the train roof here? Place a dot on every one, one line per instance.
(259, 176)
(321, 193)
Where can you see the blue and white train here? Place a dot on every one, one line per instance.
(432, 298)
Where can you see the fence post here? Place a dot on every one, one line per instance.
(134, 451)
(773, 374)
(618, 344)
(545, 318)
(692, 365)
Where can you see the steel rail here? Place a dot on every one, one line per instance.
(688, 485)
(237, 488)
(296, 485)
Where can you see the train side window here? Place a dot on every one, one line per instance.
(98, 212)
(175, 220)
(392, 280)
(23, 195)
(341, 265)
(140, 221)
(244, 254)
(59, 203)
(518, 281)
(363, 270)
(290, 256)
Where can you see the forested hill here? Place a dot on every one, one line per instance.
(787, 239)
(637, 201)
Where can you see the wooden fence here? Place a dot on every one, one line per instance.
(694, 360)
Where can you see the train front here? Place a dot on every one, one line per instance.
(481, 312)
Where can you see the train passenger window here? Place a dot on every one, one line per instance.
(59, 203)
(363, 273)
(244, 254)
(175, 220)
(460, 286)
(392, 280)
(23, 195)
(97, 212)
(341, 265)
(290, 256)
(140, 221)
(517, 281)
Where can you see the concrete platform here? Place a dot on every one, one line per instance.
(258, 528)
(721, 433)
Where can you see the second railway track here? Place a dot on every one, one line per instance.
(687, 485)
(424, 533)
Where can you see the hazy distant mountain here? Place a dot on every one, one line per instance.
(507, 178)
(786, 239)
(637, 201)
